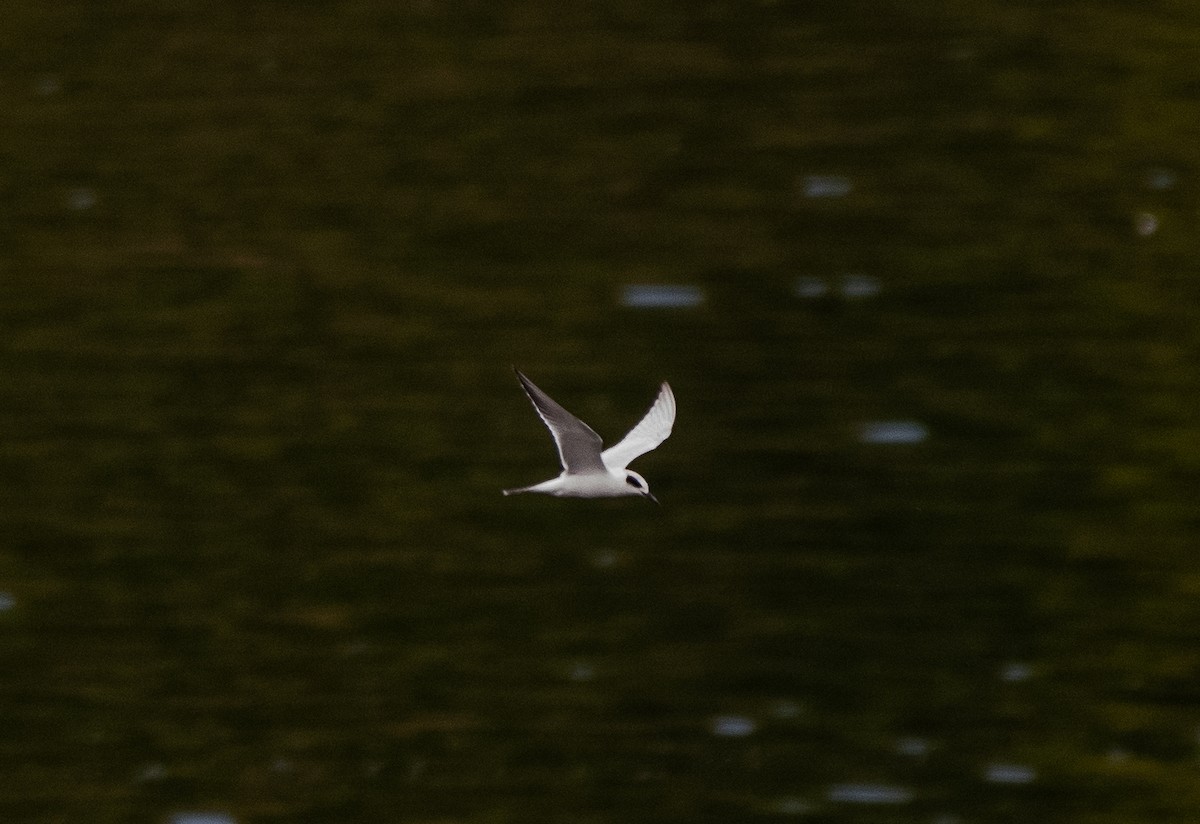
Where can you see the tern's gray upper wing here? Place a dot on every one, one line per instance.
(578, 444)
(649, 433)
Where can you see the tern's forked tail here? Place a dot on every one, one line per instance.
(550, 487)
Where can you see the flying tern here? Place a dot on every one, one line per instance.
(589, 472)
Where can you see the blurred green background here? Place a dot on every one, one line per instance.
(927, 551)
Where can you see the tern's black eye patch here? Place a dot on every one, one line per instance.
(632, 481)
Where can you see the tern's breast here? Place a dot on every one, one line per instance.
(594, 486)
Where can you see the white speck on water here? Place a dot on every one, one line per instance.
(869, 794)
(893, 432)
(791, 805)
(150, 773)
(786, 710)
(1015, 672)
(81, 198)
(605, 559)
(809, 287)
(1145, 224)
(913, 747)
(733, 726)
(581, 671)
(1160, 178)
(826, 186)
(857, 285)
(1009, 774)
(202, 818)
(662, 296)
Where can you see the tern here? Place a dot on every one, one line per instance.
(589, 472)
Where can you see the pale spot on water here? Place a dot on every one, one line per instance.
(80, 199)
(1009, 774)
(661, 296)
(869, 794)
(151, 773)
(1015, 672)
(913, 747)
(790, 805)
(1145, 224)
(581, 672)
(605, 559)
(1160, 178)
(202, 818)
(857, 286)
(733, 726)
(826, 186)
(785, 710)
(893, 432)
(809, 287)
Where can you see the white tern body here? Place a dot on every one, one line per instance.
(589, 472)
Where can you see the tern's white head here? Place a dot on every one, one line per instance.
(637, 483)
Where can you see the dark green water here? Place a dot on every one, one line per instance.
(266, 269)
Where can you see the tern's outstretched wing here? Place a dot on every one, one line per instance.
(649, 433)
(578, 444)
